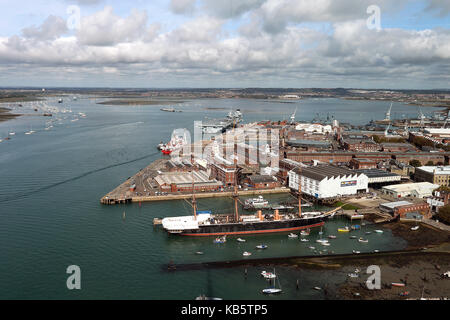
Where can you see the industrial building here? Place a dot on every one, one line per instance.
(184, 181)
(324, 182)
(406, 209)
(435, 174)
(417, 190)
(379, 177)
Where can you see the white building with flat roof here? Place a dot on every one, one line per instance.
(417, 190)
(324, 182)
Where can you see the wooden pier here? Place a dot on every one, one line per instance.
(130, 198)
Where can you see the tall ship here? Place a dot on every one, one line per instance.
(208, 224)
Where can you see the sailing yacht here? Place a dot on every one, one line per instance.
(31, 131)
(273, 289)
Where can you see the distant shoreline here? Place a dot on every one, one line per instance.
(139, 102)
(5, 115)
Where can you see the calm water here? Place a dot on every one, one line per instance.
(50, 215)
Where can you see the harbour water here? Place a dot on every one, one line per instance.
(50, 215)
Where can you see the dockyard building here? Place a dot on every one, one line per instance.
(187, 182)
(435, 174)
(417, 190)
(325, 182)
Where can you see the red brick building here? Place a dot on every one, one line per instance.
(224, 173)
(263, 182)
(360, 163)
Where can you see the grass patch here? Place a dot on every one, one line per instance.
(345, 207)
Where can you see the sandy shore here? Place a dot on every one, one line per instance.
(420, 271)
(421, 274)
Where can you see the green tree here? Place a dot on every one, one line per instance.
(444, 214)
(415, 163)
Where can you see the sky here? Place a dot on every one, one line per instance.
(396, 44)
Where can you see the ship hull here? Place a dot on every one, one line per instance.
(254, 227)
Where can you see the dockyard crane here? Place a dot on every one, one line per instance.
(293, 116)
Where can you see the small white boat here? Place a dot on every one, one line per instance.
(379, 231)
(376, 250)
(415, 228)
(353, 275)
(304, 233)
(268, 275)
(271, 291)
(317, 288)
(220, 239)
(322, 241)
(363, 240)
(326, 244)
(240, 240)
(199, 252)
(332, 236)
(261, 246)
(292, 235)
(356, 252)
(246, 254)
(304, 240)
(312, 248)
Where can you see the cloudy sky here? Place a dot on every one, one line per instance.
(225, 43)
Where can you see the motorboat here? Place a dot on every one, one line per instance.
(222, 239)
(332, 236)
(356, 252)
(397, 284)
(292, 235)
(268, 275)
(363, 240)
(379, 231)
(240, 240)
(344, 229)
(246, 254)
(353, 275)
(415, 228)
(261, 246)
(304, 240)
(304, 232)
(256, 203)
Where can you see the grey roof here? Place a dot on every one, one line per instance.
(374, 173)
(322, 172)
(256, 178)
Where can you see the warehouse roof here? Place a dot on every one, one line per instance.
(322, 172)
(376, 173)
(180, 178)
(420, 186)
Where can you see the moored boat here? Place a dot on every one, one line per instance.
(344, 229)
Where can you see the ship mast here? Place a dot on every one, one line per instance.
(235, 197)
(194, 202)
(300, 200)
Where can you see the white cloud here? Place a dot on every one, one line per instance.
(105, 28)
(51, 28)
(182, 6)
(203, 49)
